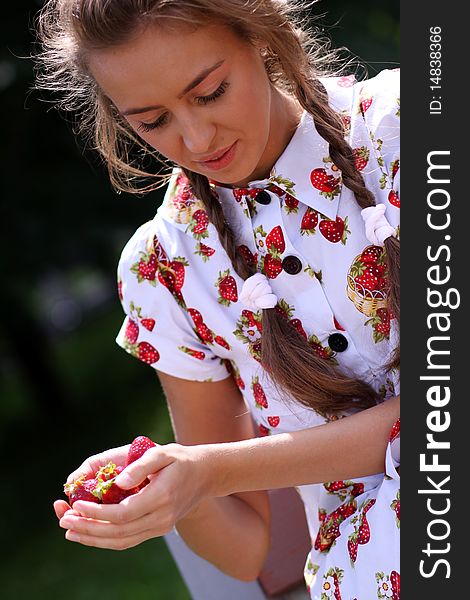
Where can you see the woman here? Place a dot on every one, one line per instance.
(266, 287)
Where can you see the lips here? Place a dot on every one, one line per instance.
(216, 155)
(220, 159)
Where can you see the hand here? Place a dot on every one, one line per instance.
(179, 481)
(88, 468)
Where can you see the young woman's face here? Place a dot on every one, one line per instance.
(201, 98)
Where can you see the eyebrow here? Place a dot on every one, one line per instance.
(194, 83)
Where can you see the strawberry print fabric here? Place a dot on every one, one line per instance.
(180, 294)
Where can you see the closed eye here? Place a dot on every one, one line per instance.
(146, 127)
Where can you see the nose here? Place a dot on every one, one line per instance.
(198, 135)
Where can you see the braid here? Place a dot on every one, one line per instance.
(329, 391)
(203, 191)
(330, 127)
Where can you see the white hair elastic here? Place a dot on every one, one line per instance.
(378, 229)
(257, 293)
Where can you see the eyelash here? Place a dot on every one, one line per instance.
(146, 127)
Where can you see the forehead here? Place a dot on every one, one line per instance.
(160, 62)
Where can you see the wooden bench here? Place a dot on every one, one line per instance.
(282, 575)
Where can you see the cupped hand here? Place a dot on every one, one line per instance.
(88, 468)
(179, 480)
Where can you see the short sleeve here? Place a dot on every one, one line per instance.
(377, 108)
(157, 328)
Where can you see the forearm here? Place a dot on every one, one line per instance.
(351, 447)
(228, 533)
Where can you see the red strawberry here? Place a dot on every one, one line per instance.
(395, 430)
(112, 493)
(291, 204)
(258, 393)
(324, 182)
(337, 325)
(365, 104)
(119, 287)
(347, 509)
(147, 269)
(378, 270)
(367, 280)
(194, 353)
(160, 253)
(297, 324)
(335, 231)
(368, 505)
(222, 342)
(275, 240)
(172, 276)
(227, 288)
(148, 323)
(239, 193)
(383, 314)
(272, 266)
(82, 489)
(346, 81)
(178, 268)
(239, 381)
(201, 222)
(250, 317)
(247, 254)
(274, 421)
(361, 156)
(352, 549)
(371, 255)
(131, 332)
(395, 581)
(139, 446)
(205, 251)
(195, 316)
(255, 351)
(309, 222)
(394, 198)
(277, 190)
(383, 329)
(263, 430)
(337, 591)
(147, 353)
(364, 531)
(205, 333)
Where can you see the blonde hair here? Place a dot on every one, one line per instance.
(294, 60)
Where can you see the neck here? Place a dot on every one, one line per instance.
(285, 118)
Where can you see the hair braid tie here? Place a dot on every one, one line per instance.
(378, 229)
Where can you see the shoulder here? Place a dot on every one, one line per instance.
(369, 100)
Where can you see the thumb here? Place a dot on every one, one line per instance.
(148, 464)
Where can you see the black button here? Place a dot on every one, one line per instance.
(337, 342)
(263, 197)
(291, 265)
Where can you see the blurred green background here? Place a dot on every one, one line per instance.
(66, 389)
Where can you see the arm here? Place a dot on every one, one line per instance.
(350, 447)
(207, 489)
(231, 532)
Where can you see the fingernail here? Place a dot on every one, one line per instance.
(72, 536)
(123, 481)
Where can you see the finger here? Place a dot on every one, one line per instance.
(105, 529)
(60, 508)
(85, 469)
(109, 543)
(149, 463)
(149, 499)
(91, 465)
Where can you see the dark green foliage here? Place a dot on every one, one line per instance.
(66, 389)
